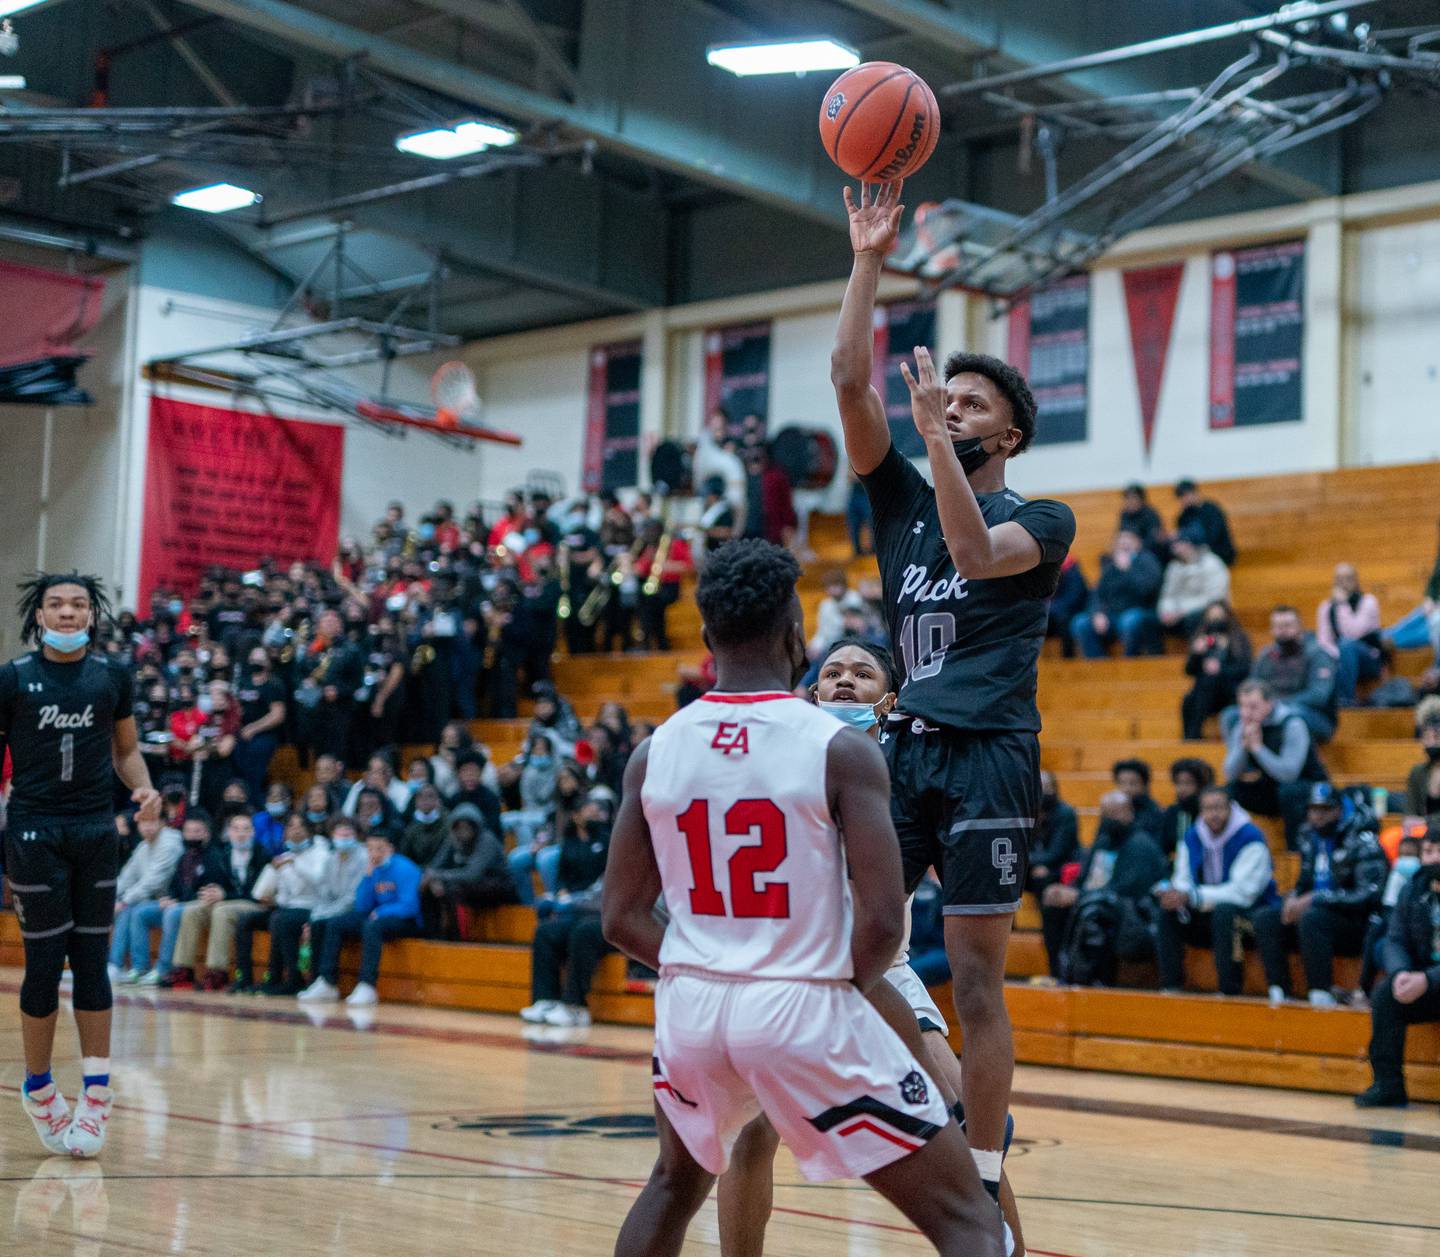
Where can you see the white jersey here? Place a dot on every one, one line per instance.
(750, 858)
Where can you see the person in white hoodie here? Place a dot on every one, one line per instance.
(137, 894)
(1223, 871)
(347, 867)
(289, 890)
(1194, 578)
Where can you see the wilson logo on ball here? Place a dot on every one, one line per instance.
(902, 156)
(836, 104)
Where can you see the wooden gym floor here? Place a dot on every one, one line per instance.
(245, 1127)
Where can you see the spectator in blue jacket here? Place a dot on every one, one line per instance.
(1223, 871)
(1122, 606)
(270, 823)
(387, 905)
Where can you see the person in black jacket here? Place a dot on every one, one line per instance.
(1207, 517)
(1342, 876)
(468, 870)
(1219, 659)
(1189, 777)
(327, 676)
(1139, 517)
(1072, 596)
(1122, 605)
(1132, 778)
(1410, 994)
(1055, 840)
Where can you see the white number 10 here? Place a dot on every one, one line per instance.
(923, 643)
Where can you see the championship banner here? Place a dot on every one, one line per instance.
(1048, 341)
(1257, 332)
(900, 328)
(1151, 296)
(737, 372)
(612, 418)
(230, 488)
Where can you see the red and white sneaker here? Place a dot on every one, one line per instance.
(86, 1135)
(50, 1114)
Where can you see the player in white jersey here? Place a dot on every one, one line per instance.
(746, 809)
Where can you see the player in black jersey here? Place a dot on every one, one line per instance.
(65, 714)
(967, 567)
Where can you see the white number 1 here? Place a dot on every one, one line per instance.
(67, 757)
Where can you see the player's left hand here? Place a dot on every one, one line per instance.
(147, 803)
(927, 397)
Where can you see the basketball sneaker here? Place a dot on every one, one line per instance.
(131, 977)
(363, 996)
(537, 1012)
(319, 991)
(153, 978)
(1323, 999)
(50, 1115)
(568, 1016)
(86, 1135)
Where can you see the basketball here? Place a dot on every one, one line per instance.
(879, 122)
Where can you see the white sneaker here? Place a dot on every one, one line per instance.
(1009, 1238)
(363, 996)
(132, 977)
(86, 1135)
(151, 979)
(1276, 994)
(565, 1015)
(1322, 999)
(539, 1010)
(50, 1114)
(319, 991)
(116, 973)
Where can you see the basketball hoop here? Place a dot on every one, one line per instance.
(457, 400)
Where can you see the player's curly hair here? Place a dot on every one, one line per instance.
(1008, 380)
(32, 597)
(745, 587)
(883, 658)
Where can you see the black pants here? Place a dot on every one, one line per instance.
(1053, 924)
(325, 728)
(1209, 696)
(653, 609)
(579, 640)
(503, 681)
(252, 764)
(1389, 1020)
(619, 622)
(1267, 797)
(1321, 934)
(441, 918)
(286, 926)
(1214, 929)
(572, 942)
(245, 929)
(1369, 963)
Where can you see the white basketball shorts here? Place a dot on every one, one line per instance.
(905, 980)
(836, 1082)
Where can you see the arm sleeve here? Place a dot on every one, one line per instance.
(1284, 767)
(1180, 876)
(892, 487)
(365, 895)
(163, 860)
(1324, 634)
(1051, 523)
(1169, 592)
(407, 893)
(1319, 681)
(264, 887)
(1235, 754)
(1249, 876)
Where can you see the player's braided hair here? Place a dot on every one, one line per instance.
(745, 587)
(1008, 380)
(32, 597)
(882, 657)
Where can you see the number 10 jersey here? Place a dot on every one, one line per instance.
(750, 858)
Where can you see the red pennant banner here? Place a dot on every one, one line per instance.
(1150, 299)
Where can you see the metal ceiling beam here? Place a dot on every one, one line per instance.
(545, 52)
(615, 129)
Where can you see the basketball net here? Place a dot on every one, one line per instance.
(456, 397)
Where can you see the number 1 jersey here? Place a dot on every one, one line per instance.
(750, 857)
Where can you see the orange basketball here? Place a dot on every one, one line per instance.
(879, 122)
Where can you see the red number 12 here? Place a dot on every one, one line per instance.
(771, 900)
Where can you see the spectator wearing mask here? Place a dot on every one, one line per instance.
(1132, 778)
(1139, 517)
(1055, 840)
(202, 862)
(1410, 993)
(1223, 872)
(1348, 626)
(470, 787)
(1270, 759)
(1205, 517)
(455, 741)
(1109, 899)
(1071, 597)
(1189, 777)
(468, 871)
(1194, 579)
(428, 827)
(1219, 660)
(315, 807)
(270, 821)
(1299, 672)
(220, 904)
(554, 718)
(387, 906)
(1342, 877)
(1122, 605)
(1422, 787)
(348, 865)
(203, 741)
(138, 890)
(287, 891)
(379, 775)
(262, 700)
(376, 814)
(330, 775)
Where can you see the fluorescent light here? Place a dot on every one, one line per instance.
(215, 198)
(12, 82)
(464, 138)
(794, 56)
(8, 8)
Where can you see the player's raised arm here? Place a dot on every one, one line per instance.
(859, 787)
(874, 223)
(632, 878)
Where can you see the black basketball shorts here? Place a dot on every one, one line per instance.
(62, 873)
(965, 803)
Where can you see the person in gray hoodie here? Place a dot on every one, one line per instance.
(533, 849)
(467, 871)
(345, 870)
(137, 898)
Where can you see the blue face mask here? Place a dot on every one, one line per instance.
(345, 845)
(297, 846)
(541, 761)
(277, 810)
(426, 818)
(1407, 865)
(857, 715)
(66, 643)
(315, 817)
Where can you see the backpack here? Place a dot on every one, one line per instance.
(1103, 930)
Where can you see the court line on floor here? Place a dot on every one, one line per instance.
(1248, 1213)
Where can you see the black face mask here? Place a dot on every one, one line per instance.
(1291, 647)
(1112, 833)
(1432, 753)
(972, 454)
(1216, 626)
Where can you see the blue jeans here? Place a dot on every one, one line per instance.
(524, 861)
(132, 935)
(1414, 632)
(1358, 662)
(522, 823)
(1137, 629)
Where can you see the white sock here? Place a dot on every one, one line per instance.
(988, 1162)
(96, 1067)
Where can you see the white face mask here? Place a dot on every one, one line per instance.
(856, 715)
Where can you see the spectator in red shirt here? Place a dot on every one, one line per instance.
(777, 502)
(203, 737)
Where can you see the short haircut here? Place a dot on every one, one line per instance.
(1284, 608)
(1008, 380)
(1211, 790)
(1136, 488)
(201, 815)
(1131, 766)
(1182, 487)
(744, 590)
(1254, 686)
(879, 654)
(337, 823)
(1197, 768)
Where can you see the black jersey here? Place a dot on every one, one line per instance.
(59, 721)
(969, 649)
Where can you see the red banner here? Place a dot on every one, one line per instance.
(1222, 340)
(1017, 337)
(58, 308)
(1150, 299)
(229, 488)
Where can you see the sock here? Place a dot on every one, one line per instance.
(37, 1082)
(96, 1071)
(988, 1161)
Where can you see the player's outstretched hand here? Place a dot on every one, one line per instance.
(927, 397)
(875, 222)
(147, 803)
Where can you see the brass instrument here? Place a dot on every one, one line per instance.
(562, 610)
(423, 657)
(599, 597)
(657, 564)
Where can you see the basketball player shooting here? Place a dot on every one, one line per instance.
(967, 568)
(65, 715)
(745, 809)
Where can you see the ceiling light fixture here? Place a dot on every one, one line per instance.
(460, 140)
(791, 56)
(215, 198)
